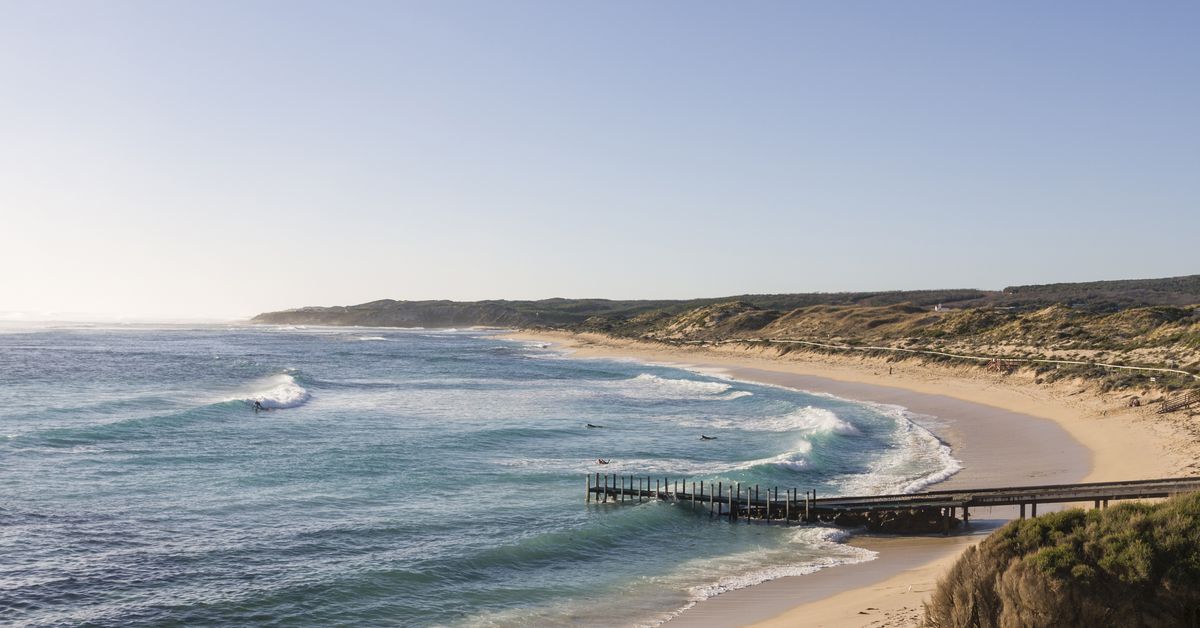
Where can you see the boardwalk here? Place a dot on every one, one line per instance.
(912, 512)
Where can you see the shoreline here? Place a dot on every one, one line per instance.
(1004, 431)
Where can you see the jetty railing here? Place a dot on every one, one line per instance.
(924, 511)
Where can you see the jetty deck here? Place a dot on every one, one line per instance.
(924, 511)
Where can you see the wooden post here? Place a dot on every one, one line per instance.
(1033, 505)
(1096, 506)
(694, 494)
(1022, 510)
(587, 493)
(720, 487)
(807, 516)
(657, 490)
(677, 489)
(737, 504)
(1106, 504)
(966, 517)
(945, 523)
(787, 507)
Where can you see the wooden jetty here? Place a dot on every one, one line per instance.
(927, 511)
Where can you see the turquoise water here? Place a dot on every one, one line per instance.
(401, 477)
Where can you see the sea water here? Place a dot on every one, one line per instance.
(397, 477)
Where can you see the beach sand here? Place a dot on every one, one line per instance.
(1006, 430)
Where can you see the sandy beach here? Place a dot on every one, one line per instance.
(1006, 430)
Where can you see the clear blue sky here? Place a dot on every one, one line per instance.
(179, 159)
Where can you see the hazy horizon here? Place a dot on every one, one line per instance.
(217, 160)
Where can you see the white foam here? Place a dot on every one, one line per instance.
(809, 537)
(902, 470)
(683, 386)
(793, 459)
(371, 338)
(278, 392)
(741, 569)
(809, 419)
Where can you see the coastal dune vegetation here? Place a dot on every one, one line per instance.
(1132, 565)
(1140, 323)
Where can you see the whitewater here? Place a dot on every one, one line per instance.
(398, 477)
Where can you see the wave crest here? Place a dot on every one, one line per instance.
(682, 386)
(794, 460)
(809, 419)
(280, 391)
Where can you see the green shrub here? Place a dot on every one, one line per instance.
(1132, 565)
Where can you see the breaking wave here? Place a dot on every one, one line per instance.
(808, 419)
(279, 392)
(684, 386)
(650, 385)
(830, 538)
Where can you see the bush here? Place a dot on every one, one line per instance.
(1132, 565)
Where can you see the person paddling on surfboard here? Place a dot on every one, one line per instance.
(602, 461)
(703, 437)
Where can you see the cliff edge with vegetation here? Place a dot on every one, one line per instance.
(1131, 565)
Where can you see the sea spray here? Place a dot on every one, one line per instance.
(279, 392)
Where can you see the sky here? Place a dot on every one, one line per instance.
(206, 159)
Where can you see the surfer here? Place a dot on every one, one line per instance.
(703, 437)
(602, 461)
(590, 426)
(258, 406)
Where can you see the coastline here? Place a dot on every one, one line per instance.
(1006, 430)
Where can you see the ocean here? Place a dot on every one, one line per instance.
(400, 477)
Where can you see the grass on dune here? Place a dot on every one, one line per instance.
(1135, 564)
